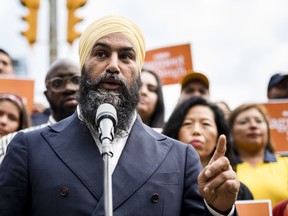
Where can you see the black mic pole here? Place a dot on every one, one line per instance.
(106, 120)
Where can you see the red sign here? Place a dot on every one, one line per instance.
(170, 63)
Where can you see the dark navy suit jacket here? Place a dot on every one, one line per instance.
(58, 171)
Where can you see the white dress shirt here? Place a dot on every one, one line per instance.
(117, 145)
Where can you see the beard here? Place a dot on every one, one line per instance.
(124, 101)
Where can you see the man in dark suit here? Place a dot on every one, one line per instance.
(58, 170)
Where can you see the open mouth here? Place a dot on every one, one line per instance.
(111, 84)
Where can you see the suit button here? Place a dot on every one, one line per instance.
(155, 197)
(64, 191)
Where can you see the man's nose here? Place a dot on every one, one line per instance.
(196, 94)
(113, 65)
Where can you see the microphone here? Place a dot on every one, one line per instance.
(106, 119)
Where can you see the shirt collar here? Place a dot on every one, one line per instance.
(117, 145)
(81, 118)
(51, 120)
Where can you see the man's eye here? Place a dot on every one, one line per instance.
(126, 56)
(101, 54)
(57, 83)
(76, 80)
(190, 91)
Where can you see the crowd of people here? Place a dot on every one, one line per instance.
(199, 162)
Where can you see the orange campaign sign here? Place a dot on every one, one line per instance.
(21, 87)
(254, 207)
(278, 122)
(170, 63)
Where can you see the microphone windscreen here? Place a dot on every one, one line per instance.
(106, 111)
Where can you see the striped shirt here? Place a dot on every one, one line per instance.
(5, 140)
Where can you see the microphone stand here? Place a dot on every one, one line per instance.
(107, 154)
(106, 119)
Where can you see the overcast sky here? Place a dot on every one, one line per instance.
(237, 44)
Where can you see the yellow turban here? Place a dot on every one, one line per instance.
(108, 25)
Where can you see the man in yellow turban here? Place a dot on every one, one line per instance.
(108, 25)
(111, 53)
(59, 170)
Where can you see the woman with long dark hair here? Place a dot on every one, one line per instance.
(200, 123)
(151, 105)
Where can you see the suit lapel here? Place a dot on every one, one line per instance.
(70, 144)
(135, 166)
(139, 160)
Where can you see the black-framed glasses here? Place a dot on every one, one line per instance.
(58, 83)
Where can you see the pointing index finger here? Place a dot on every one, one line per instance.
(220, 149)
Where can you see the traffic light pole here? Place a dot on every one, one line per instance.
(53, 31)
(32, 19)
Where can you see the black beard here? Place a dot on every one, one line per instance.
(91, 97)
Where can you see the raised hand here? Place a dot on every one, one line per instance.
(217, 182)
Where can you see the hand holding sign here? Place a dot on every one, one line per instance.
(217, 182)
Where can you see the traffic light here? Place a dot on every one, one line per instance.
(72, 5)
(31, 19)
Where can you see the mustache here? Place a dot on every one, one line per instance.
(92, 95)
(94, 84)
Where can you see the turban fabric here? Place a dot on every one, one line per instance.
(108, 25)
